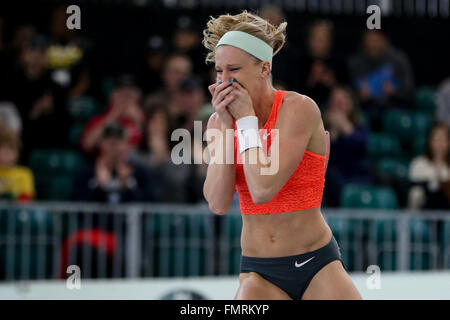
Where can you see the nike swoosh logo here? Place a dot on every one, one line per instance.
(298, 265)
(266, 135)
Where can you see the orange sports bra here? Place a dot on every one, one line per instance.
(303, 190)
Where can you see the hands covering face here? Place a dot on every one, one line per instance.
(231, 101)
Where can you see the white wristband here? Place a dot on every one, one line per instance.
(248, 133)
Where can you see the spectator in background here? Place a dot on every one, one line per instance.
(68, 55)
(282, 76)
(16, 182)
(150, 72)
(382, 75)
(10, 117)
(177, 68)
(348, 137)
(185, 105)
(430, 173)
(443, 102)
(39, 100)
(4, 63)
(320, 68)
(125, 109)
(22, 35)
(187, 41)
(114, 178)
(177, 183)
(9, 54)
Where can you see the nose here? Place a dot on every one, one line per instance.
(225, 76)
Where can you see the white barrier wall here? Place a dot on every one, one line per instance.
(407, 286)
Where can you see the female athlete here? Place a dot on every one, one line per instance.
(288, 250)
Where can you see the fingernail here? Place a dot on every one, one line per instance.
(234, 80)
(229, 80)
(233, 85)
(220, 82)
(235, 95)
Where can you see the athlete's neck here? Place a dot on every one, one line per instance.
(262, 103)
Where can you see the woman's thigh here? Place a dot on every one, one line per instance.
(331, 283)
(254, 287)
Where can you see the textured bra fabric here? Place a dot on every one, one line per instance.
(303, 190)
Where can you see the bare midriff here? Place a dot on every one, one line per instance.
(284, 234)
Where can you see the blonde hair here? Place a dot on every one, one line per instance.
(9, 138)
(245, 22)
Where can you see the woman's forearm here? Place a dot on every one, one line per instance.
(261, 174)
(219, 184)
(219, 187)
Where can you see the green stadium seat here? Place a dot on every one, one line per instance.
(58, 187)
(425, 99)
(232, 234)
(164, 229)
(419, 230)
(393, 167)
(27, 220)
(347, 232)
(54, 172)
(386, 235)
(422, 123)
(182, 249)
(199, 230)
(107, 86)
(26, 244)
(369, 197)
(406, 124)
(342, 231)
(419, 146)
(386, 229)
(366, 120)
(83, 108)
(341, 227)
(399, 123)
(55, 161)
(382, 145)
(420, 234)
(445, 243)
(75, 133)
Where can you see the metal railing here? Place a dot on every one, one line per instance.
(40, 240)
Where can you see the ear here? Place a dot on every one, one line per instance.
(265, 71)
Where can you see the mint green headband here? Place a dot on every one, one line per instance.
(250, 44)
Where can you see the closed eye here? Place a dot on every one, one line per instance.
(232, 69)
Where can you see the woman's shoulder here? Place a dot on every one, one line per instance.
(299, 107)
(298, 100)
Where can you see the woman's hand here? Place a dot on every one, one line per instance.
(42, 106)
(124, 172)
(160, 149)
(102, 173)
(364, 92)
(242, 105)
(339, 123)
(221, 98)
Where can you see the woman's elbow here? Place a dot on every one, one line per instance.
(217, 210)
(218, 204)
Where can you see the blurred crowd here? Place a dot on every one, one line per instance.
(49, 102)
